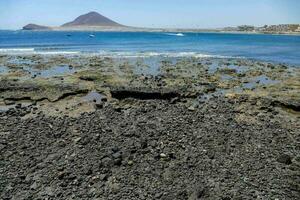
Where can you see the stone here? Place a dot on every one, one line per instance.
(285, 159)
(191, 108)
(9, 102)
(198, 193)
(174, 100)
(117, 155)
(77, 139)
(130, 162)
(107, 162)
(118, 161)
(162, 155)
(99, 105)
(33, 186)
(49, 191)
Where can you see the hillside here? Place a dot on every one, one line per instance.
(92, 19)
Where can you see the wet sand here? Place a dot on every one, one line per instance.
(91, 127)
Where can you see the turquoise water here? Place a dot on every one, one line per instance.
(274, 48)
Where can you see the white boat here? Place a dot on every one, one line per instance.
(92, 36)
(179, 34)
(176, 34)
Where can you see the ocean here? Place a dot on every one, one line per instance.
(271, 48)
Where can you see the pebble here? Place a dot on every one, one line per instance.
(117, 155)
(33, 186)
(285, 159)
(99, 105)
(49, 191)
(77, 139)
(174, 100)
(162, 155)
(191, 108)
(130, 162)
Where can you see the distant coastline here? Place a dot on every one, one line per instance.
(134, 29)
(96, 22)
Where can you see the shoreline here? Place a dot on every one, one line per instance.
(136, 55)
(179, 76)
(157, 30)
(98, 127)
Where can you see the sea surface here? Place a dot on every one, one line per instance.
(273, 48)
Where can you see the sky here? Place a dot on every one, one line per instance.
(152, 13)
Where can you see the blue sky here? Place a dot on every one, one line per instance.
(152, 13)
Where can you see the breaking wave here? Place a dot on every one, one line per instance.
(56, 52)
(15, 50)
(114, 54)
(33, 51)
(161, 54)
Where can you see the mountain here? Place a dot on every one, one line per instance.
(30, 27)
(92, 19)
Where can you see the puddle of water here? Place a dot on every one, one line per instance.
(146, 66)
(226, 77)
(263, 80)
(4, 108)
(252, 84)
(3, 69)
(93, 97)
(212, 67)
(21, 61)
(239, 69)
(58, 70)
(53, 71)
(215, 65)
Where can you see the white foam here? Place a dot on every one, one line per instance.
(20, 50)
(33, 51)
(56, 52)
(158, 54)
(114, 54)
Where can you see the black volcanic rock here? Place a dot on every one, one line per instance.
(30, 27)
(91, 19)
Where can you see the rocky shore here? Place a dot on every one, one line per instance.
(92, 127)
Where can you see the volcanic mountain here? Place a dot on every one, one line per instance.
(92, 19)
